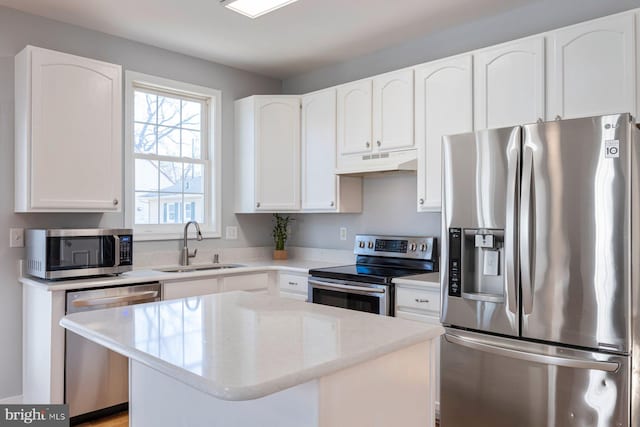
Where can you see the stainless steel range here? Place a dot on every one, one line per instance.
(366, 286)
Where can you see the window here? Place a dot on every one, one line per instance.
(173, 166)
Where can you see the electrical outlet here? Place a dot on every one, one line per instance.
(343, 233)
(231, 232)
(16, 237)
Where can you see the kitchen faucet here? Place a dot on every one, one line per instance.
(186, 254)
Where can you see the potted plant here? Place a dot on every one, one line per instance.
(280, 235)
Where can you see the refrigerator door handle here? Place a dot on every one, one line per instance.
(567, 362)
(525, 229)
(511, 243)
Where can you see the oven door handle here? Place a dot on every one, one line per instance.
(358, 289)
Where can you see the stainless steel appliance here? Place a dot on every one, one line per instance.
(540, 297)
(69, 253)
(96, 379)
(366, 286)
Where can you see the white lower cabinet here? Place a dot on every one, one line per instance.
(293, 286)
(254, 282)
(189, 288)
(422, 304)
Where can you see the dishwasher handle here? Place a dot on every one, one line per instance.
(129, 298)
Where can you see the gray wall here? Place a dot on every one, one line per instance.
(389, 203)
(17, 30)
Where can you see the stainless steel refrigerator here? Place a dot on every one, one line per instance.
(540, 271)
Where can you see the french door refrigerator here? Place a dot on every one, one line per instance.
(540, 300)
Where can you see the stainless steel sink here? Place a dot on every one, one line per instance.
(191, 268)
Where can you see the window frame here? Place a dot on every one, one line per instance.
(213, 148)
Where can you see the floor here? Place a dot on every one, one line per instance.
(117, 420)
(122, 420)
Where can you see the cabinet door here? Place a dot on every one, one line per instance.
(277, 139)
(592, 70)
(189, 288)
(319, 151)
(510, 84)
(246, 282)
(393, 111)
(443, 106)
(76, 134)
(354, 118)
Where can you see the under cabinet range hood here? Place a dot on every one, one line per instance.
(377, 163)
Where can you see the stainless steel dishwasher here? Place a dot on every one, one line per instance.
(96, 379)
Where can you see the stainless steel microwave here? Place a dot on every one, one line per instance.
(71, 253)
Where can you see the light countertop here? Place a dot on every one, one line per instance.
(152, 275)
(430, 280)
(240, 345)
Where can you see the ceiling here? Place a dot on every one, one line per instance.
(303, 36)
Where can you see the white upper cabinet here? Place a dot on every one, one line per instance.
(322, 190)
(375, 124)
(592, 68)
(354, 118)
(393, 110)
(443, 106)
(267, 131)
(68, 133)
(510, 84)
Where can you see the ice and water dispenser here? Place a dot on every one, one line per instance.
(476, 264)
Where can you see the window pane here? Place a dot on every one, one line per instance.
(146, 208)
(171, 177)
(191, 144)
(191, 114)
(193, 181)
(144, 138)
(170, 208)
(168, 111)
(194, 207)
(146, 175)
(145, 107)
(168, 141)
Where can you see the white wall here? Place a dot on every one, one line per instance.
(17, 30)
(390, 203)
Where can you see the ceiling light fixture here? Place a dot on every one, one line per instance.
(255, 8)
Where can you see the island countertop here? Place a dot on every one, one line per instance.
(242, 346)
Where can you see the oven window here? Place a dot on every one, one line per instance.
(367, 303)
(67, 253)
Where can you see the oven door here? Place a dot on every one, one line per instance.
(367, 297)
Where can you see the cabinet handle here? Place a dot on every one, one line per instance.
(379, 143)
(115, 202)
(258, 205)
(421, 201)
(293, 283)
(331, 204)
(422, 300)
(367, 144)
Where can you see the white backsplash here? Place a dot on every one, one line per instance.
(144, 258)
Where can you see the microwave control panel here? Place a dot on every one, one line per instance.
(126, 249)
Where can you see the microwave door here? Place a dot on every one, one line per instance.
(82, 252)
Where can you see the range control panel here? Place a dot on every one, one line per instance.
(394, 246)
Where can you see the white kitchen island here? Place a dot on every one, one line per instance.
(239, 359)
